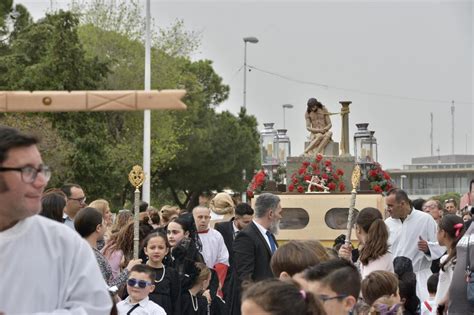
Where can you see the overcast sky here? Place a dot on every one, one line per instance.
(397, 61)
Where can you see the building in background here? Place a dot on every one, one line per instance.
(435, 175)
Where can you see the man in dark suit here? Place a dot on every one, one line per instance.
(229, 230)
(254, 246)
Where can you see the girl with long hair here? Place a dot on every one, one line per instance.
(185, 245)
(119, 248)
(450, 231)
(372, 234)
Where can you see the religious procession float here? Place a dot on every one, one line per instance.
(323, 189)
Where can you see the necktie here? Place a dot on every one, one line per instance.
(272, 242)
(133, 308)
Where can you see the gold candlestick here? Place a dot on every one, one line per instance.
(136, 178)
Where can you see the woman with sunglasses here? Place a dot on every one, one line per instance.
(89, 223)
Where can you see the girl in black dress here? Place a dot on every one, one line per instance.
(184, 252)
(196, 299)
(167, 286)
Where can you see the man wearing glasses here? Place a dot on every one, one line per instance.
(336, 283)
(76, 200)
(46, 267)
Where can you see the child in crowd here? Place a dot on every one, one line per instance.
(378, 284)
(196, 300)
(167, 286)
(386, 305)
(403, 268)
(295, 256)
(428, 307)
(336, 282)
(140, 284)
(450, 231)
(275, 297)
(372, 234)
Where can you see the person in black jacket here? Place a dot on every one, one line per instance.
(229, 230)
(254, 246)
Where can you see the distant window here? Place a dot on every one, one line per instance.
(336, 218)
(294, 219)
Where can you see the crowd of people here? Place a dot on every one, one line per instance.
(222, 257)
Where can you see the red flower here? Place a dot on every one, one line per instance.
(291, 187)
(327, 163)
(306, 164)
(314, 166)
(339, 172)
(332, 186)
(386, 176)
(300, 189)
(335, 177)
(302, 170)
(373, 173)
(377, 189)
(325, 176)
(319, 157)
(317, 172)
(307, 177)
(294, 180)
(342, 187)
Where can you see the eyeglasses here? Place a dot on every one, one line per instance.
(80, 200)
(325, 298)
(140, 283)
(29, 173)
(449, 200)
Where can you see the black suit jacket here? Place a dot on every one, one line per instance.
(227, 231)
(252, 257)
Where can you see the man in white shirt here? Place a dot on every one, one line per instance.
(214, 251)
(412, 235)
(46, 267)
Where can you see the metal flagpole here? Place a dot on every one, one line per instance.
(147, 113)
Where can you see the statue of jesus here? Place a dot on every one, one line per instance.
(318, 124)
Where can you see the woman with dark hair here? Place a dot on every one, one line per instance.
(52, 205)
(90, 224)
(184, 253)
(372, 234)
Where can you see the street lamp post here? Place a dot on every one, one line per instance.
(285, 106)
(252, 40)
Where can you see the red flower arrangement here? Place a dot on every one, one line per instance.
(380, 181)
(257, 184)
(325, 172)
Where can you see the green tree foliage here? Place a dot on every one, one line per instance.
(193, 150)
(5, 11)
